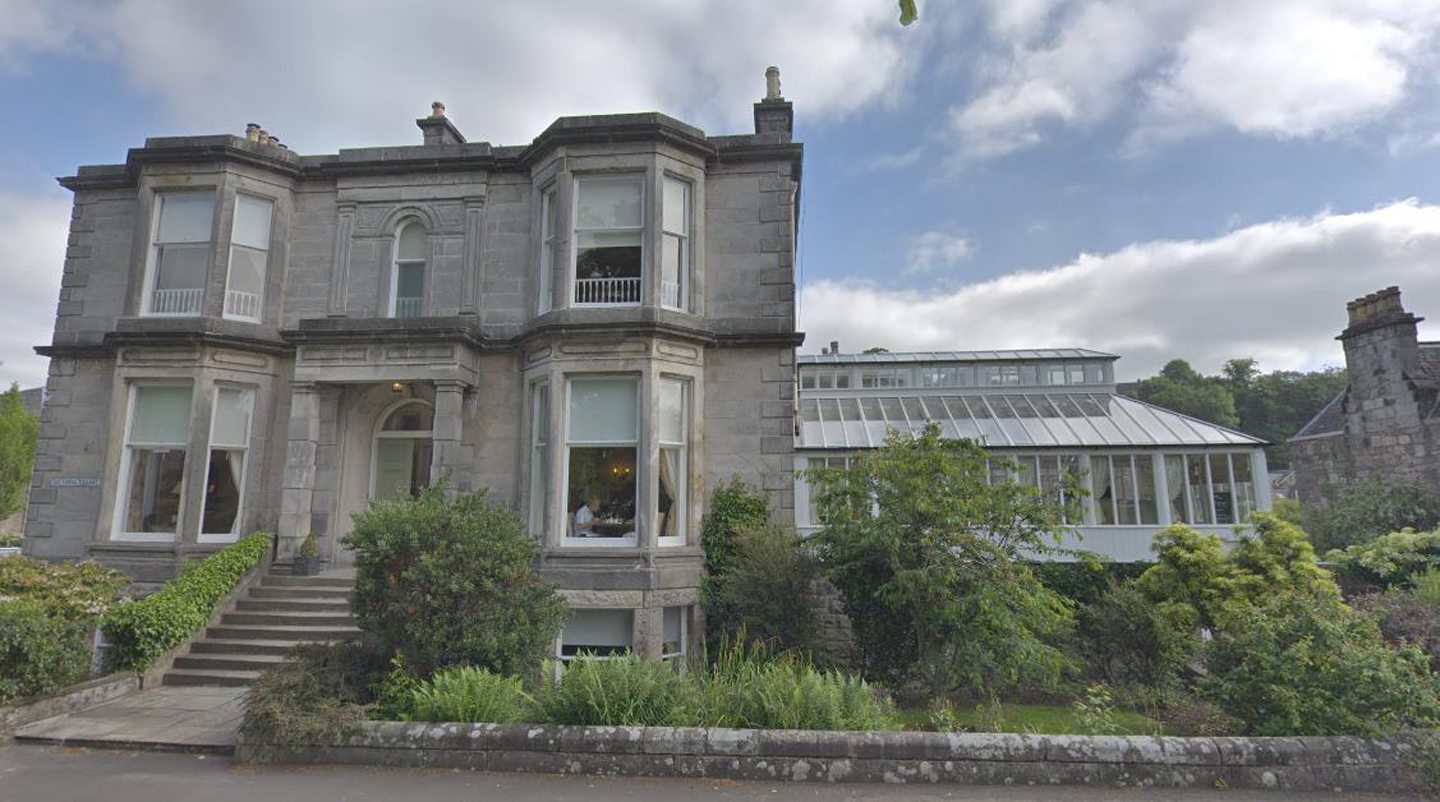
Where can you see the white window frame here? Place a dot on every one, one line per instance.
(549, 233)
(234, 534)
(641, 472)
(539, 455)
(118, 531)
(684, 238)
(230, 260)
(152, 261)
(684, 644)
(381, 434)
(575, 231)
(682, 491)
(395, 264)
(560, 637)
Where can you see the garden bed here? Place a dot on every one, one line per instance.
(1319, 763)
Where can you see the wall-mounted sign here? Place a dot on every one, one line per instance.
(74, 481)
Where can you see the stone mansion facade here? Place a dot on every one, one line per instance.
(597, 327)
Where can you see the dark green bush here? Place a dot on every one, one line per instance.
(1084, 581)
(444, 583)
(628, 691)
(1303, 665)
(1390, 560)
(771, 593)
(77, 591)
(1130, 640)
(316, 697)
(40, 651)
(1365, 510)
(735, 507)
(140, 632)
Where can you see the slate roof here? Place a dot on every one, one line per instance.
(1330, 420)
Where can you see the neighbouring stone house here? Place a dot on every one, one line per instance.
(1386, 422)
(597, 327)
(1051, 411)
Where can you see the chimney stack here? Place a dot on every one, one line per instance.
(437, 128)
(774, 114)
(834, 346)
(1382, 356)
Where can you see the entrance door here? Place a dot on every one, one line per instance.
(400, 462)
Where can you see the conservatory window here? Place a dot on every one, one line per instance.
(179, 261)
(249, 258)
(601, 461)
(152, 481)
(225, 473)
(672, 479)
(609, 234)
(1198, 481)
(408, 279)
(675, 256)
(598, 634)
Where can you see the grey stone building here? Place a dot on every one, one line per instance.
(1386, 423)
(597, 327)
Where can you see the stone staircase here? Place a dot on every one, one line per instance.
(273, 616)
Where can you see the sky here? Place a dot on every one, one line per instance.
(1154, 178)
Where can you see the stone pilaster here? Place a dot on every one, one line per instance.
(450, 459)
(297, 489)
(340, 261)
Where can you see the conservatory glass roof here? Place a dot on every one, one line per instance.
(1028, 420)
(886, 358)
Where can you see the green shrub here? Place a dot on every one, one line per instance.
(75, 591)
(1084, 581)
(19, 434)
(1365, 510)
(11, 540)
(444, 583)
(749, 686)
(1405, 617)
(771, 593)
(735, 507)
(465, 693)
(627, 690)
(1302, 665)
(1131, 640)
(141, 632)
(316, 697)
(1390, 560)
(40, 651)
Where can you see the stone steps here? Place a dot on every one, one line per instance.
(274, 616)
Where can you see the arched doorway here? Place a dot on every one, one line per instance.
(401, 455)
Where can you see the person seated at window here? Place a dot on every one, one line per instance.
(585, 518)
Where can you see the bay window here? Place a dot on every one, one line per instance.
(602, 446)
(675, 253)
(609, 235)
(249, 258)
(152, 480)
(597, 634)
(180, 253)
(225, 474)
(672, 478)
(407, 285)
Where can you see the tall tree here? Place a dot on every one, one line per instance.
(19, 429)
(1180, 388)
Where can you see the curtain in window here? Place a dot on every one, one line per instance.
(669, 483)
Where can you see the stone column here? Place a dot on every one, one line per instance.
(297, 488)
(450, 458)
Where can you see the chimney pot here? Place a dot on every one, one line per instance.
(437, 109)
(834, 346)
(252, 132)
(772, 83)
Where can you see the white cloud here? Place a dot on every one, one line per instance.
(34, 230)
(326, 74)
(936, 250)
(1285, 68)
(1274, 291)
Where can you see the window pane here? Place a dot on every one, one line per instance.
(603, 633)
(1199, 488)
(602, 492)
(1095, 374)
(672, 411)
(252, 223)
(677, 207)
(608, 202)
(670, 490)
(411, 244)
(673, 642)
(402, 466)
(185, 217)
(870, 407)
(612, 254)
(222, 491)
(1175, 487)
(1145, 477)
(232, 417)
(1124, 481)
(410, 281)
(539, 456)
(413, 417)
(807, 381)
(603, 410)
(1244, 486)
(182, 267)
(153, 501)
(842, 380)
(1029, 375)
(161, 416)
(672, 271)
(1077, 373)
(1104, 493)
(246, 284)
(849, 409)
(1220, 488)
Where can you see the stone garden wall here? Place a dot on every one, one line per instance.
(1338, 763)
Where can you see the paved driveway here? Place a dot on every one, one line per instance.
(61, 774)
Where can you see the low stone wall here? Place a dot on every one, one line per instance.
(75, 697)
(1339, 763)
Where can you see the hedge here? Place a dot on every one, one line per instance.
(140, 632)
(40, 652)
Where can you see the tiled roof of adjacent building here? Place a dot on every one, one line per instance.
(1019, 420)
(954, 356)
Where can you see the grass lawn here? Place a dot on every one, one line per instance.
(1042, 719)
